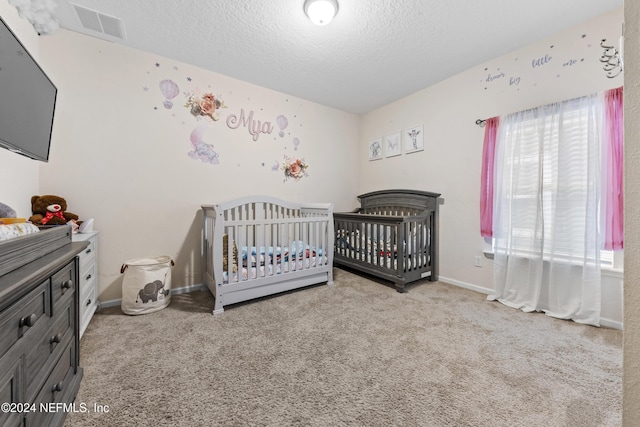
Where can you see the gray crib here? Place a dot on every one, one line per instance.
(391, 236)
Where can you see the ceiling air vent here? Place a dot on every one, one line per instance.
(99, 22)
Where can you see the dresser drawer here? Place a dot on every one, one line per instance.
(87, 278)
(46, 351)
(24, 316)
(55, 387)
(11, 371)
(88, 255)
(88, 303)
(63, 285)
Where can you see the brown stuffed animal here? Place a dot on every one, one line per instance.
(50, 210)
(225, 254)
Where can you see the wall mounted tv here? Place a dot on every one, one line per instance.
(27, 100)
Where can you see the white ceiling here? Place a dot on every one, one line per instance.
(374, 52)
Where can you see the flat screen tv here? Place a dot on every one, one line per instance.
(27, 100)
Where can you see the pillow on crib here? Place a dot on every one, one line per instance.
(225, 254)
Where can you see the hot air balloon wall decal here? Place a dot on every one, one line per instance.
(282, 124)
(169, 90)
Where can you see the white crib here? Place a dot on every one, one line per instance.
(260, 245)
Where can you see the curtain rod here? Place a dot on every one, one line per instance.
(483, 122)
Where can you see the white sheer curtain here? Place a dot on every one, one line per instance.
(546, 210)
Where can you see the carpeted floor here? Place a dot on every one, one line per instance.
(353, 354)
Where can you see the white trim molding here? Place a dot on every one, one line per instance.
(604, 322)
(176, 291)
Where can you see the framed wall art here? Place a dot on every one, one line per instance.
(375, 149)
(413, 138)
(393, 144)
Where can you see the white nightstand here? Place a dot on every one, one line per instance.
(88, 278)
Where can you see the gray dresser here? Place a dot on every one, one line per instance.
(39, 328)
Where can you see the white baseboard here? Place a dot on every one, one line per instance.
(465, 285)
(176, 291)
(604, 322)
(613, 324)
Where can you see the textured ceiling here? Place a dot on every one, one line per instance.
(374, 52)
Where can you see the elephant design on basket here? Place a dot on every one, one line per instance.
(152, 292)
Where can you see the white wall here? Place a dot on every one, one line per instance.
(119, 156)
(562, 67)
(19, 176)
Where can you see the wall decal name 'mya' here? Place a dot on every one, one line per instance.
(255, 127)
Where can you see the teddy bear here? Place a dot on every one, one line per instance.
(51, 210)
(225, 254)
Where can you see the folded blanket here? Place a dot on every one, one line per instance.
(298, 249)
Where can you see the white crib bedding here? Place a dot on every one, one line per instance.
(259, 263)
(297, 250)
(357, 243)
(263, 270)
(383, 253)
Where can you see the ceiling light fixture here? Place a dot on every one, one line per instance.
(321, 12)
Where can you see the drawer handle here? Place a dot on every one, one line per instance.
(56, 339)
(88, 277)
(67, 284)
(58, 387)
(89, 301)
(28, 321)
(88, 251)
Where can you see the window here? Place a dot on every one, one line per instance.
(550, 151)
(546, 163)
